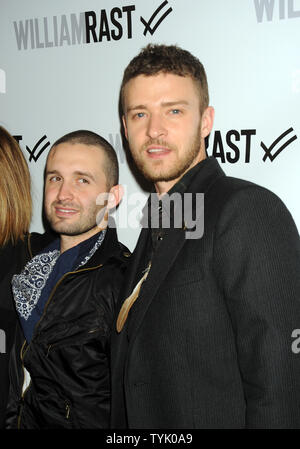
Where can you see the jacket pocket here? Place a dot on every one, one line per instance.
(58, 413)
(73, 340)
(183, 277)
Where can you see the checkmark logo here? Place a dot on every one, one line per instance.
(35, 153)
(269, 150)
(148, 25)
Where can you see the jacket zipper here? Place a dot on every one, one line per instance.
(38, 323)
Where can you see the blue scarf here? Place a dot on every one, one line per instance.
(33, 286)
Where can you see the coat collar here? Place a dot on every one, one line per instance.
(110, 248)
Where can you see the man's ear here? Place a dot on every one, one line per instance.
(108, 201)
(207, 121)
(115, 195)
(125, 127)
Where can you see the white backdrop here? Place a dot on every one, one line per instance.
(62, 62)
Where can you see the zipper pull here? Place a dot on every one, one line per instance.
(67, 410)
(48, 349)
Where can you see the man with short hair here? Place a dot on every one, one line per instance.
(66, 294)
(203, 337)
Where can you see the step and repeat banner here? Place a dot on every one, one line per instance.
(62, 63)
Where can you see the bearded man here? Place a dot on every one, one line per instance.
(66, 294)
(210, 301)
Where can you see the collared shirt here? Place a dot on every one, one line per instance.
(158, 232)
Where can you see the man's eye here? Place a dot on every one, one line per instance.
(139, 114)
(175, 111)
(54, 179)
(83, 181)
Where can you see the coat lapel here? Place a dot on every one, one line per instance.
(161, 264)
(127, 287)
(169, 249)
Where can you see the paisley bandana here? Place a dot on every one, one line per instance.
(28, 286)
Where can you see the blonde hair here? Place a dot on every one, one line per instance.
(15, 197)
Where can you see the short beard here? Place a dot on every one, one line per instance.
(72, 230)
(178, 169)
(77, 228)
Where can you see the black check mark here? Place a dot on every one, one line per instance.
(268, 150)
(32, 152)
(148, 24)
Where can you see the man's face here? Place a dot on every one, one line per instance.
(74, 179)
(163, 126)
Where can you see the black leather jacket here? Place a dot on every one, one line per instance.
(68, 356)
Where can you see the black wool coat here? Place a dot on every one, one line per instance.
(208, 342)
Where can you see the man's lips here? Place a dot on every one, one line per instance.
(65, 211)
(156, 151)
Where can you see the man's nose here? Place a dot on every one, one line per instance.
(65, 192)
(156, 127)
